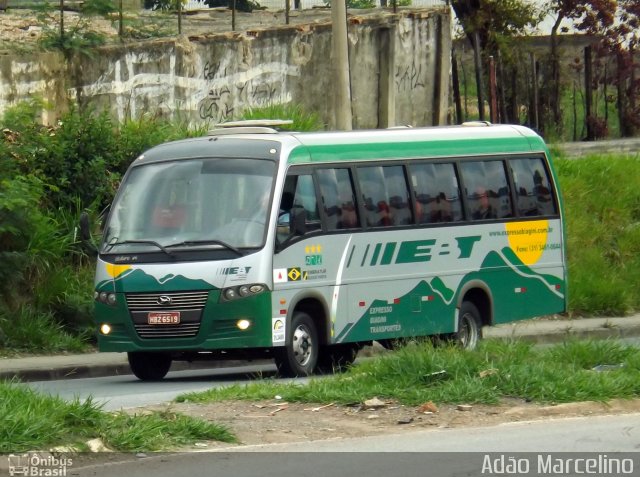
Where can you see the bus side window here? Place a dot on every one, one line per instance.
(533, 189)
(437, 193)
(385, 196)
(338, 199)
(487, 190)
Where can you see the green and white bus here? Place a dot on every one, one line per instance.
(303, 247)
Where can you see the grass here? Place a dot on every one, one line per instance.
(33, 331)
(302, 120)
(35, 421)
(413, 375)
(602, 206)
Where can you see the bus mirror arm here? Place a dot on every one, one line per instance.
(85, 235)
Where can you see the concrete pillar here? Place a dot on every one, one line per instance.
(342, 117)
(386, 85)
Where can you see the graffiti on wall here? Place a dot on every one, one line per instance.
(229, 92)
(409, 77)
(216, 94)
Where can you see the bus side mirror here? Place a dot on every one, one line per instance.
(85, 235)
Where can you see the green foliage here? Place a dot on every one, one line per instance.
(160, 431)
(421, 372)
(48, 176)
(497, 20)
(78, 159)
(30, 330)
(361, 3)
(74, 35)
(602, 205)
(302, 120)
(83, 156)
(20, 221)
(142, 29)
(32, 421)
(98, 7)
(35, 421)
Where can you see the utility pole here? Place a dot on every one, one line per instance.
(340, 66)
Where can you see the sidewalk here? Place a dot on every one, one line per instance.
(42, 368)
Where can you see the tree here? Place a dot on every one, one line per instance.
(490, 26)
(590, 16)
(623, 42)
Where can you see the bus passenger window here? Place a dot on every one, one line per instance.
(437, 193)
(533, 189)
(338, 199)
(385, 196)
(487, 190)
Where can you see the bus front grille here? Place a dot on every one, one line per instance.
(176, 301)
(188, 306)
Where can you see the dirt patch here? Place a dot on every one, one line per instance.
(275, 421)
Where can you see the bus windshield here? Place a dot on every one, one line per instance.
(197, 203)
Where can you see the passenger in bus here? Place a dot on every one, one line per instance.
(348, 216)
(483, 210)
(441, 211)
(384, 214)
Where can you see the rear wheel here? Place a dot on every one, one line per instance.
(469, 326)
(299, 356)
(149, 366)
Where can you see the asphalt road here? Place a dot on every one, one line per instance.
(117, 392)
(606, 439)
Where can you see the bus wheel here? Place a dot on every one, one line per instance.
(337, 357)
(299, 356)
(149, 366)
(469, 328)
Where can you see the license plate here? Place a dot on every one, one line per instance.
(164, 318)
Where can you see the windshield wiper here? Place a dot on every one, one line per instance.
(110, 245)
(207, 242)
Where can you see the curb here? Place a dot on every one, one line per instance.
(568, 332)
(54, 373)
(65, 372)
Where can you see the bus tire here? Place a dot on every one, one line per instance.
(336, 358)
(299, 356)
(149, 366)
(469, 326)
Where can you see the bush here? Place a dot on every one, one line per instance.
(20, 221)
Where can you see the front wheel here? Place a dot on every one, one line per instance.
(299, 356)
(149, 366)
(469, 326)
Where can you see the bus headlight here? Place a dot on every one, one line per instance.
(106, 298)
(105, 329)
(242, 291)
(243, 324)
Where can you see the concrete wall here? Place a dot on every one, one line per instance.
(399, 73)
